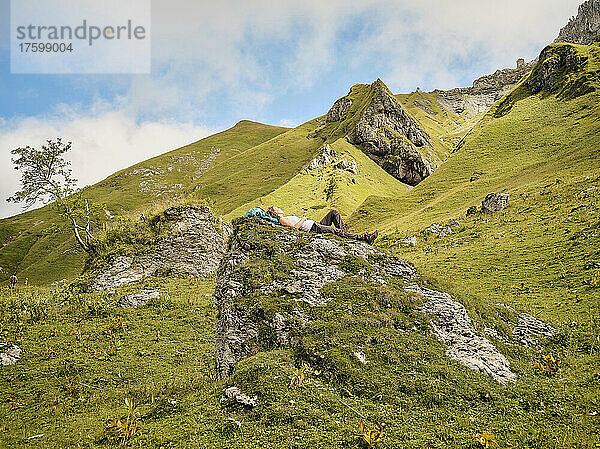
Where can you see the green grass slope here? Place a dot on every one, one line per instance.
(523, 140)
(312, 193)
(83, 356)
(445, 128)
(36, 249)
(258, 171)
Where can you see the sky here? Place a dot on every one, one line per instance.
(274, 61)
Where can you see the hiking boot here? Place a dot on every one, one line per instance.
(370, 238)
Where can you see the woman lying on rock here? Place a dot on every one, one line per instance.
(330, 224)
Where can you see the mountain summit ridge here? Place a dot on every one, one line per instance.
(583, 28)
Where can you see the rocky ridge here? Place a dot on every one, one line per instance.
(583, 28)
(485, 91)
(388, 135)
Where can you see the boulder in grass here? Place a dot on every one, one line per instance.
(9, 354)
(138, 299)
(495, 202)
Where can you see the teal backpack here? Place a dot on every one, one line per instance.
(259, 213)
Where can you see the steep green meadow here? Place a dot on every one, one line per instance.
(445, 128)
(523, 140)
(312, 193)
(35, 247)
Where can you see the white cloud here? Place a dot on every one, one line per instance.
(218, 60)
(250, 53)
(102, 144)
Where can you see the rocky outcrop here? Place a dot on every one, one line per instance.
(284, 267)
(585, 27)
(339, 109)
(233, 395)
(442, 230)
(388, 135)
(141, 298)
(9, 354)
(193, 243)
(485, 91)
(495, 202)
(528, 330)
(326, 156)
(554, 63)
(464, 344)
(270, 288)
(329, 157)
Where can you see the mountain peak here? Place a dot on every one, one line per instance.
(372, 118)
(585, 27)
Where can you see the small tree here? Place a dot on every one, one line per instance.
(47, 177)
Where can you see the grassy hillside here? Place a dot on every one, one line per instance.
(37, 249)
(83, 356)
(523, 140)
(258, 171)
(312, 193)
(445, 128)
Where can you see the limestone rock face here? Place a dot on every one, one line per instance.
(495, 202)
(464, 344)
(326, 156)
(339, 109)
(194, 244)
(554, 63)
(389, 136)
(302, 263)
(9, 354)
(485, 91)
(585, 27)
(528, 329)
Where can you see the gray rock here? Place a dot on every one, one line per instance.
(495, 202)
(326, 156)
(138, 299)
(317, 261)
(529, 329)
(195, 243)
(347, 165)
(339, 109)
(585, 27)
(411, 240)
(443, 230)
(9, 354)
(453, 327)
(362, 358)
(485, 91)
(234, 394)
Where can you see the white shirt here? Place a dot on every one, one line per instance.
(306, 226)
